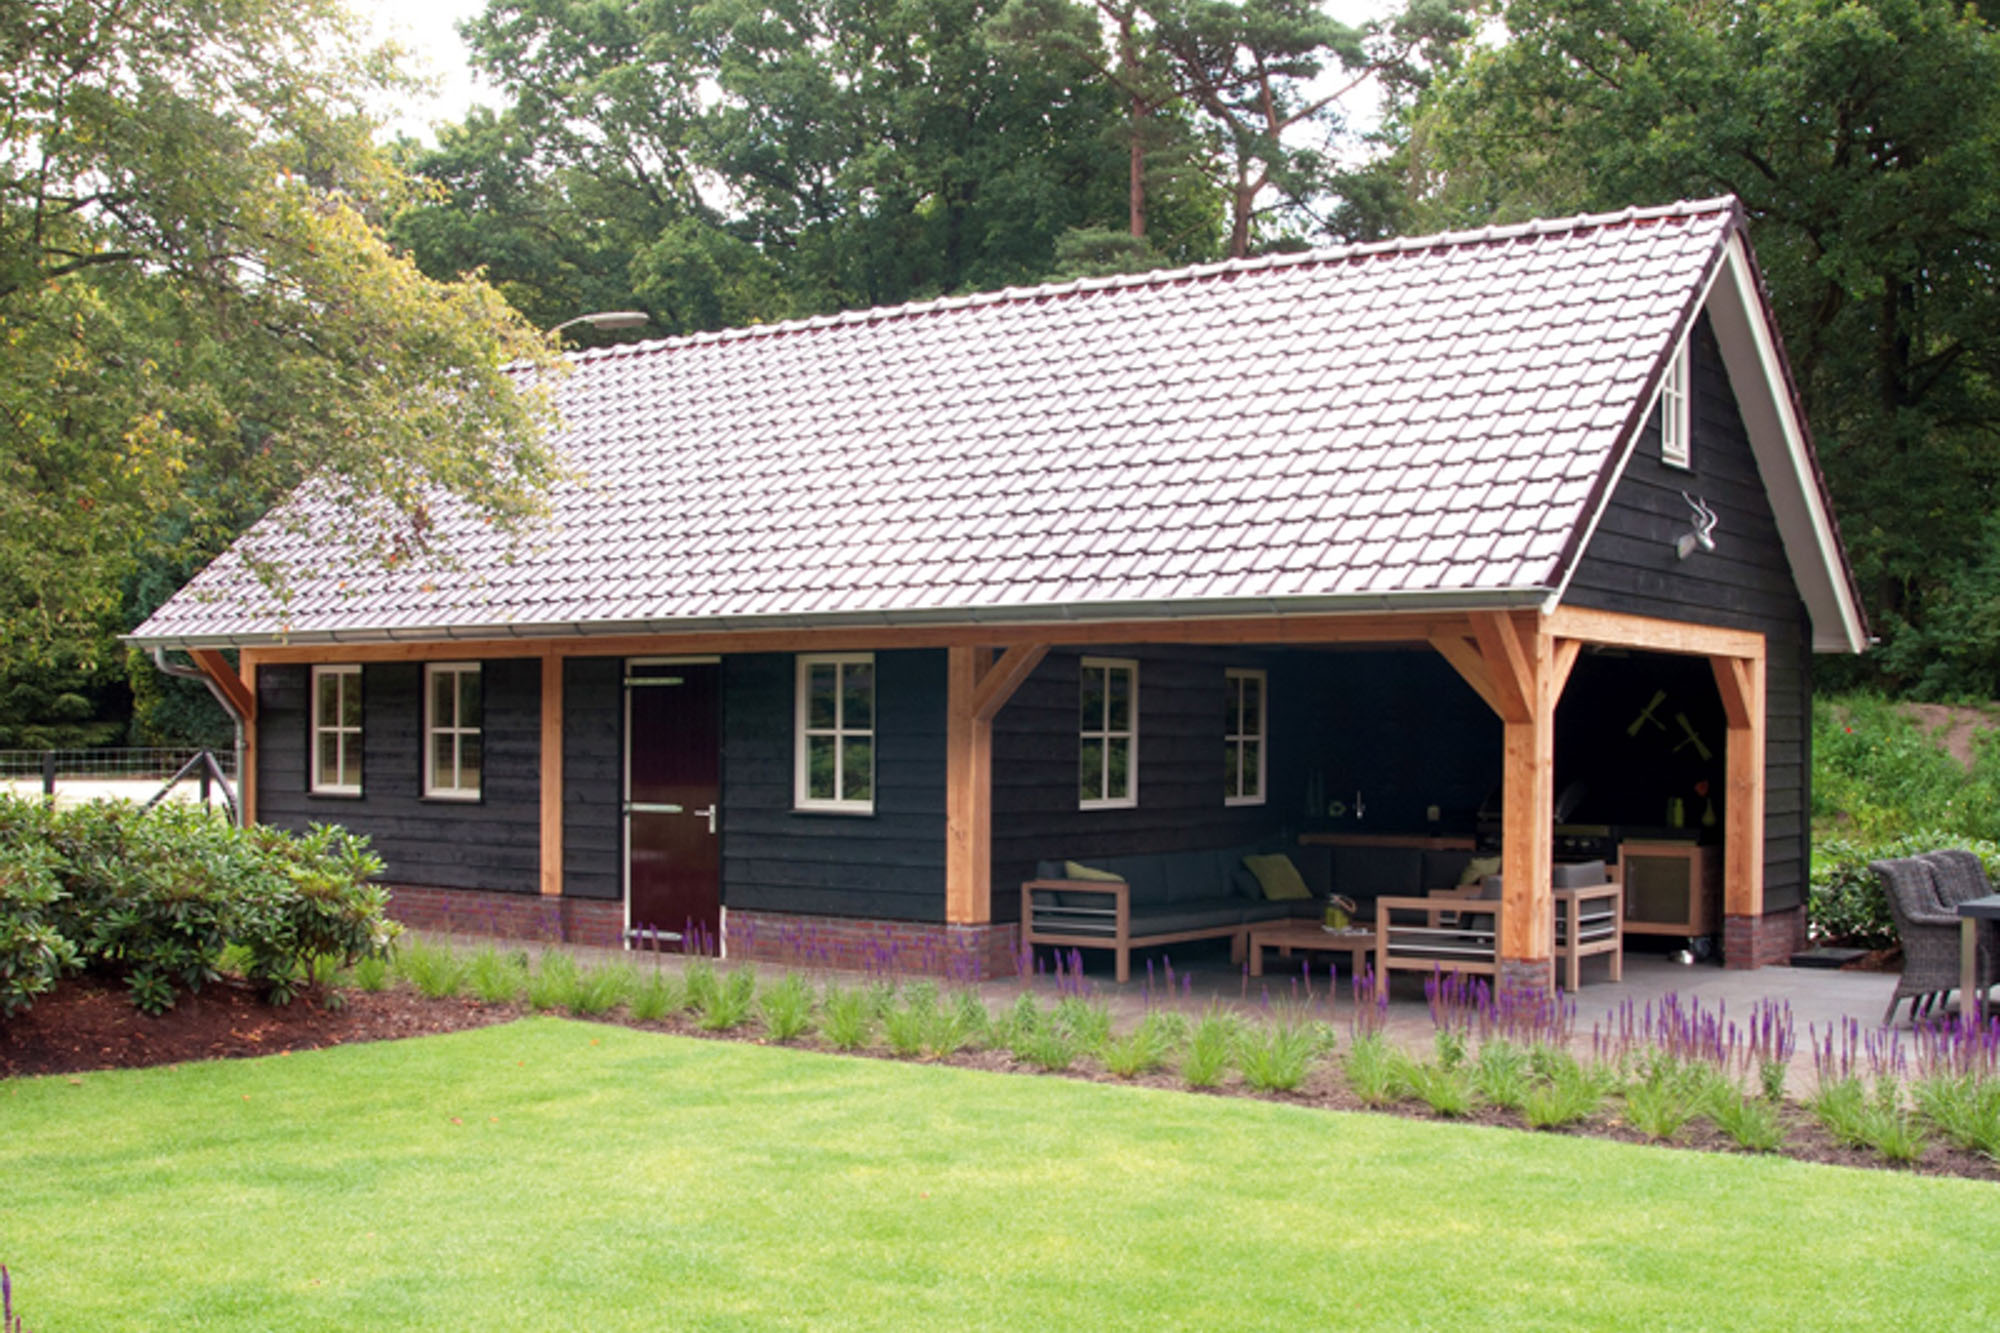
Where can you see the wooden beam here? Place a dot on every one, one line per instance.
(246, 780)
(1508, 663)
(1653, 635)
(227, 679)
(1463, 654)
(552, 775)
(1732, 681)
(998, 682)
(1374, 627)
(1564, 662)
(968, 793)
(1527, 917)
(1743, 798)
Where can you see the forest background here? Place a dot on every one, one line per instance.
(220, 276)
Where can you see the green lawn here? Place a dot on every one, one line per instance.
(551, 1174)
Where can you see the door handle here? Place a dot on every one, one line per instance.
(708, 814)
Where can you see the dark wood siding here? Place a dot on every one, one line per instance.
(1181, 693)
(593, 777)
(889, 864)
(493, 843)
(1745, 583)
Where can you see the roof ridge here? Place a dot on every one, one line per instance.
(1165, 277)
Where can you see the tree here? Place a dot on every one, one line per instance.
(1864, 141)
(200, 312)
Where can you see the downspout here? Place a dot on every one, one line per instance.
(196, 673)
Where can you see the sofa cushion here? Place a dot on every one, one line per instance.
(1191, 877)
(1077, 870)
(1577, 874)
(1218, 914)
(1451, 870)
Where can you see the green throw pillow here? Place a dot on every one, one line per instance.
(1477, 869)
(1072, 870)
(1278, 876)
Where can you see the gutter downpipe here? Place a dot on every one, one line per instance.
(196, 673)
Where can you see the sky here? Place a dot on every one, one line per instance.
(428, 28)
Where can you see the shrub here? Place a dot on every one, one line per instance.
(370, 974)
(1371, 1069)
(555, 982)
(434, 969)
(726, 1004)
(846, 1018)
(156, 896)
(1568, 1092)
(1209, 1047)
(1500, 1075)
(33, 952)
(1753, 1124)
(786, 1008)
(658, 995)
(497, 978)
(1446, 1089)
(1845, 902)
(1142, 1050)
(602, 989)
(1049, 1047)
(1276, 1057)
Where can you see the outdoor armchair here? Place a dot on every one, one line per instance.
(1929, 929)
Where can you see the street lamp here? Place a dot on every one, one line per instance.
(606, 321)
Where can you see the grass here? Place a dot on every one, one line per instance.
(558, 1174)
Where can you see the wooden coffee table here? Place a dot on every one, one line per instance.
(1356, 941)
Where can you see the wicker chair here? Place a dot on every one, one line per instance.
(1960, 876)
(1929, 930)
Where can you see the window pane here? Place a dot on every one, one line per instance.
(820, 695)
(468, 762)
(1253, 706)
(1090, 771)
(468, 699)
(1118, 714)
(1231, 786)
(329, 760)
(1232, 711)
(820, 758)
(350, 761)
(857, 769)
(442, 713)
(1118, 780)
(443, 774)
(857, 700)
(1090, 713)
(1252, 752)
(328, 688)
(350, 698)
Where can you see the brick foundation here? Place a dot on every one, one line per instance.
(513, 916)
(1763, 941)
(1534, 975)
(865, 944)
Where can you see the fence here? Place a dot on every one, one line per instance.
(130, 774)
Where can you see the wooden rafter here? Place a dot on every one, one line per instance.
(1563, 662)
(1463, 654)
(226, 678)
(1508, 664)
(1650, 634)
(997, 682)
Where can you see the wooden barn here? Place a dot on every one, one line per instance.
(1507, 542)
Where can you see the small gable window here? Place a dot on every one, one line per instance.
(1243, 737)
(336, 731)
(1676, 444)
(453, 715)
(836, 731)
(1108, 749)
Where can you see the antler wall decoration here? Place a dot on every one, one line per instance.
(1703, 534)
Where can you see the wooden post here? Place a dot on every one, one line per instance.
(1527, 914)
(552, 774)
(246, 774)
(1741, 682)
(976, 689)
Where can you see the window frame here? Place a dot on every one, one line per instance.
(1233, 741)
(341, 730)
(1676, 410)
(457, 728)
(1104, 735)
(803, 732)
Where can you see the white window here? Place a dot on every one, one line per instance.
(1676, 445)
(1243, 737)
(336, 731)
(836, 730)
(452, 717)
(1108, 716)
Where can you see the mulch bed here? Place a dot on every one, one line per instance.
(86, 1024)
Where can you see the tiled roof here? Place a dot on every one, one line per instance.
(1417, 421)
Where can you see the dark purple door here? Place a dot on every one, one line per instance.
(673, 780)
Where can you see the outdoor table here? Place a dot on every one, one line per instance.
(1971, 997)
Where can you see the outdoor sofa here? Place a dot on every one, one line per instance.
(1160, 898)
